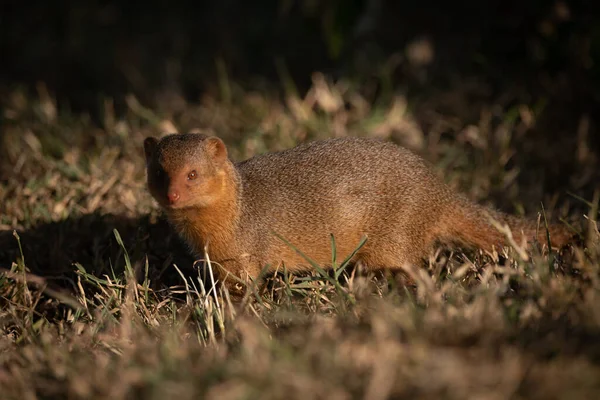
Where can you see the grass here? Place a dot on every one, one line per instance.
(101, 300)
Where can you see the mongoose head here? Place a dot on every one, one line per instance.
(185, 170)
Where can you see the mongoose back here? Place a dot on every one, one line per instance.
(348, 187)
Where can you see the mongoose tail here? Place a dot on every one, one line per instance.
(471, 225)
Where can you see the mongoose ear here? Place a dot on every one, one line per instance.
(216, 148)
(149, 147)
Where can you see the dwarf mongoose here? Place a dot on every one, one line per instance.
(348, 187)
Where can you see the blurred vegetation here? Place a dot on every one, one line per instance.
(542, 52)
(87, 49)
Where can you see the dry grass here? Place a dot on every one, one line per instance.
(100, 300)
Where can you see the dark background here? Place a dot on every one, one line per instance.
(85, 49)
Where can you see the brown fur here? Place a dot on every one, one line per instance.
(348, 187)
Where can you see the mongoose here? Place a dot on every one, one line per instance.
(348, 187)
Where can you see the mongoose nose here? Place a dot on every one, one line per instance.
(173, 197)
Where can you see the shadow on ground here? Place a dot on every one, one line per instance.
(51, 250)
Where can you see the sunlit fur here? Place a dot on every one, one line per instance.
(169, 164)
(348, 187)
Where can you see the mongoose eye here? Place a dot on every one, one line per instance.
(192, 175)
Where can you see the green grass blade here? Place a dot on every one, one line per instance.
(347, 260)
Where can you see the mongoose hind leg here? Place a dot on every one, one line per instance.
(394, 265)
(392, 253)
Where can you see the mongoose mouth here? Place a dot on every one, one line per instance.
(167, 205)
